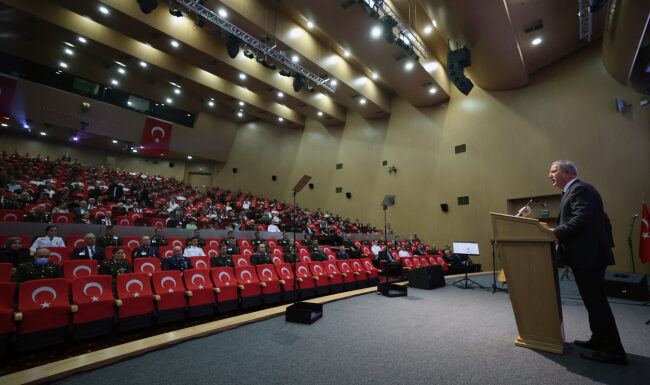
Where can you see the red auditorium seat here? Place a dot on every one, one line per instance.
(373, 272)
(438, 260)
(277, 258)
(43, 315)
(59, 254)
(62, 217)
(48, 203)
(261, 227)
(366, 251)
(147, 265)
(135, 308)
(201, 301)
(247, 251)
(27, 242)
(241, 260)
(158, 222)
(12, 215)
(250, 289)
(123, 220)
(272, 243)
(5, 272)
(407, 264)
(303, 249)
(94, 298)
(132, 242)
(211, 251)
(349, 279)
(271, 289)
(7, 326)
(30, 207)
(357, 244)
(360, 273)
(226, 284)
(96, 213)
(127, 253)
(165, 251)
(244, 243)
(176, 241)
(306, 258)
(75, 240)
(200, 262)
(134, 215)
(334, 275)
(415, 261)
(212, 242)
(79, 268)
(321, 278)
(170, 299)
(142, 222)
(306, 282)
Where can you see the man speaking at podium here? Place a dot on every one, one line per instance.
(584, 236)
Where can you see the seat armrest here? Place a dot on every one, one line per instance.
(216, 290)
(189, 293)
(282, 281)
(156, 297)
(18, 316)
(74, 308)
(118, 302)
(241, 287)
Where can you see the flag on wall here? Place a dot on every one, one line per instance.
(7, 88)
(644, 243)
(156, 137)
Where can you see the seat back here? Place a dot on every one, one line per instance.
(79, 268)
(44, 304)
(246, 274)
(132, 242)
(344, 266)
(165, 251)
(75, 240)
(25, 238)
(277, 259)
(406, 261)
(94, 296)
(284, 271)
(211, 251)
(5, 272)
(200, 262)
(7, 290)
(158, 222)
(134, 215)
(133, 285)
(318, 270)
(176, 241)
(12, 215)
(365, 249)
(367, 264)
(197, 279)
(248, 251)
(302, 270)
(223, 276)
(272, 243)
(212, 242)
(169, 281)
(241, 260)
(331, 267)
(244, 243)
(266, 273)
(59, 254)
(62, 217)
(356, 266)
(147, 265)
(306, 258)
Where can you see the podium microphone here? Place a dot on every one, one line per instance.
(527, 209)
(635, 215)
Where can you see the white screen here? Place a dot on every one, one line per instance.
(466, 248)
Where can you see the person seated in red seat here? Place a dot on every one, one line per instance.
(61, 208)
(420, 250)
(261, 257)
(223, 259)
(433, 250)
(11, 202)
(193, 250)
(39, 215)
(158, 239)
(177, 261)
(318, 255)
(135, 208)
(90, 251)
(38, 268)
(116, 265)
(197, 235)
(147, 250)
(85, 219)
(107, 219)
(173, 222)
(403, 252)
(50, 240)
(92, 203)
(110, 238)
(14, 252)
(366, 240)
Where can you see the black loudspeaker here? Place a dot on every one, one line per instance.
(444, 207)
(311, 186)
(171, 164)
(456, 63)
(427, 277)
(273, 177)
(234, 171)
(626, 285)
(348, 195)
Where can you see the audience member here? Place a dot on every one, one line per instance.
(177, 261)
(147, 250)
(223, 259)
(50, 240)
(110, 238)
(14, 252)
(38, 268)
(193, 250)
(158, 239)
(116, 265)
(90, 251)
(261, 257)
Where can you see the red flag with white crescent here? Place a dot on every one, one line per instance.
(156, 137)
(644, 243)
(7, 88)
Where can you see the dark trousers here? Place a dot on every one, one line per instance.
(591, 284)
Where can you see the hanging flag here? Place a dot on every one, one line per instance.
(156, 137)
(644, 243)
(7, 88)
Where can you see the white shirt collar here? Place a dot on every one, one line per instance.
(566, 186)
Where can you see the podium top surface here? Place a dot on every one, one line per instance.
(511, 228)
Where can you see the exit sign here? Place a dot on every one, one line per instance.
(543, 213)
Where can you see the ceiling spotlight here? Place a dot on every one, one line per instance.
(223, 13)
(285, 73)
(295, 58)
(114, 141)
(82, 39)
(280, 119)
(537, 41)
(435, 24)
(63, 65)
(26, 126)
(199, 22)
(75, 138)
(43, 133)
(177, 91)
(310, 25)
(320, 113)
(174, 43)
(249, 54)
(375, 32)
(310, 88)
(333, 82)
(388, 23)
(240, 114)
(346, 53)
(146, 6)
(128, 103)
(241, 104)
(408, 66)
(143, 64)
(242, 76)
(134, 149)
(4, 125)
(374, 75)
(68, 51)
(114, 82)
(211, 103)
(428, 29)
(280, 94)
(362, 101)
(433, 90)
(189, 157)
(121, 70)
(175, 11)
(103, 10)
(169, 101)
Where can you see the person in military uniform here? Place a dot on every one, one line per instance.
(197, 235)
(223, 259)
(147, 250)
(366, 241)
(350, 248)
(284, 242)
(176, 261)
(116, 265)
(319, 255)
(109, 239)
(257, 240)
(307, 241)
(314, 246)
(232, 247)
(12, 203)
(158, 239)
(38, 268)
(291, 252)
(231, 235)
(381, 241)
(39, 214)
(261, 257)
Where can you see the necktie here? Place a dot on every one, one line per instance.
(91, 252)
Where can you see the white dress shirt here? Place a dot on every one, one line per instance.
(273, 229)
(404, 253)
(47, 242)
(376, 249)
(193, 251)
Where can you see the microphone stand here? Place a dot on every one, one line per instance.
(629, 241)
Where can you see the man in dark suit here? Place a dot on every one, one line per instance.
(90, 251)
(585, 243)
(115, 192)
(142, 196)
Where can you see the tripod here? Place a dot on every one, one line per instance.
(468, 282)
(494, 271)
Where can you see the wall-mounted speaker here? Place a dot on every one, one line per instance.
(171, 164)
(311, 186)
(234, 171)
(456, 63)
(273, 177)
(444, 207)
(348, 195)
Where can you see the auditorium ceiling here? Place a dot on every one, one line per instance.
(188, 66)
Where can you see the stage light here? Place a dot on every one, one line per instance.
(189, 157)
(134, 149)
(175, 11)
(119, 63)
(174, 43)
(121, 70)
(280, 119)
(427, 30)
(177, 91)
(249, 54)
(223, 13)
(114, 82)
(240, 114)
(69, 44)
(346, 53)
(435, 25)
(75, 138)
(285, 73)
(408, 66)
(199, 22)
(68, 51)
(146, 6)
(295, 58)
(4, 125)
(114, 141)
(298, 81)
(241, 104)
(211, 103)
(320, 113)
(310, 25)
(433, 90)
(63, 64)
(537, 41)
(143, 64)
(82, 39)
(333, 82)
(375, 32)
(43, 133)
(232, 45)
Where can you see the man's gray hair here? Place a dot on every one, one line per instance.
(567, 165)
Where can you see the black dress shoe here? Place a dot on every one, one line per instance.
(602, 356)
(591, 344)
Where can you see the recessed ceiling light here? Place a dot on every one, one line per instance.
(103, 10)
(362, 101)
(280, 94)
(119, 63)
(174, 43)
(408, 66)
(121, 70)
(143, 64)
(43, 133)
(241, 104)
(346, 53)
(242, 76)
(280, 119)
(26, 126)
(427, 30)
(128, 102)
(63, 65)
(189, 157)
(320, 113)
(177, 91)
(82, 39)
(433, 90)
(68, 44)
(375, 32)
(114, 141)
(310, 25)
(169, 101)
(435, 24)
(374, 75)
(295, 58)
(211, 103)
(68, 51)
(134, 150)
(240, 114)
(4, 124)
(333, 82)
(114, 82)
(537, 41)
(223, 13)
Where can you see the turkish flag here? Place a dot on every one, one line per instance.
(644, 243)
(7, 88)
(156, 137)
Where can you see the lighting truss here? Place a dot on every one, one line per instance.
(404, 32)
(584, 19)
(279, 56)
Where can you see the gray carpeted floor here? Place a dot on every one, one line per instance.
(442, 336)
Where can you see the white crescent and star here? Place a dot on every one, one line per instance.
(318, 269)
(93, 284)
(153, 133)
(153, 268)
(301, 268)
(241, 275)
(201, 262)
(165, 279)
(42, 289)
(81, 267)
(9, 216)
(288, 273)
(265, 270)
(133, 241)
(197, 276)
(58, 257)
(224, 273)
(136, 281)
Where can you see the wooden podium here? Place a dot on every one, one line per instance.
(526, 249)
